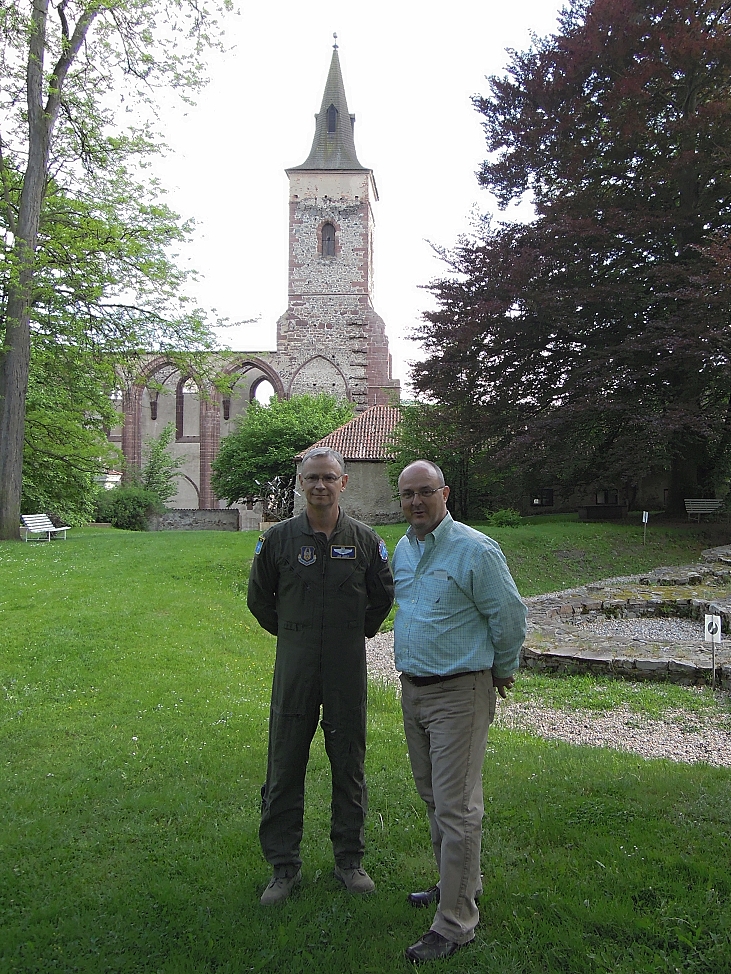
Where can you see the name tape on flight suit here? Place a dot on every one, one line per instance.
(342, 551)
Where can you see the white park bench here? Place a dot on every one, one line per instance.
(701, 505)
(39, 524)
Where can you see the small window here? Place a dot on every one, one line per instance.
(227, 409)
(332, 120)
(328, 240)
(606, 497)
(543, 498)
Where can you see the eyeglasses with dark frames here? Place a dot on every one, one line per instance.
(328, 478)
(424, 492)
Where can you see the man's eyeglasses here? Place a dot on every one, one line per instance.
(425, 493)
(328, 478)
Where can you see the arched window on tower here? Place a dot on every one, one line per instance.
(332, 120)
(328, 240)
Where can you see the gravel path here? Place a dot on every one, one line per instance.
(668, 630)
(679, 736)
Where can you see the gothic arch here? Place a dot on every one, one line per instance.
(319, 374)
(255, 387)
(244, 365)
(146, 412)
(194, 485)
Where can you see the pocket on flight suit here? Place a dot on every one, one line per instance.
(295, 602)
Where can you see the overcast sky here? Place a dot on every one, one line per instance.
(409, 72)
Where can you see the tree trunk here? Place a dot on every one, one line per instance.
(683, 474)
(15, 356)
(15, 359)
(14, 367)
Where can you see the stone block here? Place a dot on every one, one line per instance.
(560, 652)
(681, 668)
(598, 656)
(651, 666)
(623, 665)
(528, 652)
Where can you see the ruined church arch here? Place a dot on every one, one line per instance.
(319, 374)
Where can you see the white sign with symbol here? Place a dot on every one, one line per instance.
(713, 629)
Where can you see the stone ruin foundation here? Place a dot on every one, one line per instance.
(604, 627)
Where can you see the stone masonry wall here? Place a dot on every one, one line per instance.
(224, 520)
(330, 338)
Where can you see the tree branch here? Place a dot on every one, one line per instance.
(70, 49)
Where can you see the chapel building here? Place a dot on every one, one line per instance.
(329, 339)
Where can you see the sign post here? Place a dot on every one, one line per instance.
(645, 519)
(713, 636)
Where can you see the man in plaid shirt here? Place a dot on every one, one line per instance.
(458, 633)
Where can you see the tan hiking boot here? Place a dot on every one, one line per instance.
(355, 880)
(279, 888)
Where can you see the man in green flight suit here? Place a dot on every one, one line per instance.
(320, 583)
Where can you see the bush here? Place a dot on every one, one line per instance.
(128, 507)
(103, 505)
(504, 518)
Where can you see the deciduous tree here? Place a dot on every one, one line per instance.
(446, 435)
(66, 72)
(266, 440)
(160, 467)
(65, 448)
(596, 337)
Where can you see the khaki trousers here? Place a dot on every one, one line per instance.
(446, 726)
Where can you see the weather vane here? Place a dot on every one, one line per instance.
(335, 45)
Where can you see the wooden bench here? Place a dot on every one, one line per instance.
(39, 524)
(701, 505)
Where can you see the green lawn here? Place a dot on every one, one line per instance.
(133, 716)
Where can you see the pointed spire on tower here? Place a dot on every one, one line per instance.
(333, 146)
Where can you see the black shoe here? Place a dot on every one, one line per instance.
(432, 946)
(426, 898)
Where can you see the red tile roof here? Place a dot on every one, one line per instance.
(364, 437)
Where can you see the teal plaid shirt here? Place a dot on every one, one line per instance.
(458, 607)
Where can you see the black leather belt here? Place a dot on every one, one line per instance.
(427, 681)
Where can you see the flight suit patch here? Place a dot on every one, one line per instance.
(307, 555)
(259, 544)
(383, 550)
(343, 551)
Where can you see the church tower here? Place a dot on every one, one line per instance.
(330, 339)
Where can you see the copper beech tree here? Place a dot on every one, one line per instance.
(78, 83)
(594, 341)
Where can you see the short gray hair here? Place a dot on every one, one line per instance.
(325, 451)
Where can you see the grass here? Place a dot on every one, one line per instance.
(134, 693)
(550, 553)
(594, 693)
